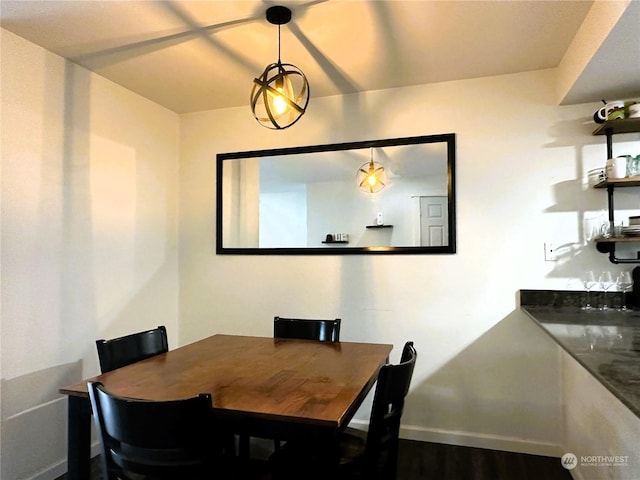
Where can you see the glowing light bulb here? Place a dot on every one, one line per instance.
(279, 103)
(371, 178)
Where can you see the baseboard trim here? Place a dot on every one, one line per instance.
(57, 469)
(476, 440)
(52, 472)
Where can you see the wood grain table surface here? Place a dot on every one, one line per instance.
(259, 385)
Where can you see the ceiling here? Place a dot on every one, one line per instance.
(200, 55)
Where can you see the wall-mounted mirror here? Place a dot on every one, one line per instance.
(312, 200)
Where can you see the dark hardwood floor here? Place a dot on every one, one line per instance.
(434, 461)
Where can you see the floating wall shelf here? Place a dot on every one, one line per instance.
(608, 244)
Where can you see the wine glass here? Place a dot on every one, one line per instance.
(624, 283)
(589, 281)
(606, 282)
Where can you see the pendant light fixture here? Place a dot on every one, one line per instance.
(280, 95)
(371, 176)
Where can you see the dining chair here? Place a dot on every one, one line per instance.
(307, 329)
(122, 351)
(156, 439)
(372, 456)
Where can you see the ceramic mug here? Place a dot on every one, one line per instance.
(615, 110)
(617, 167)
(602, 114)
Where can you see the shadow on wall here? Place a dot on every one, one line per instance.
(590, 205)
(577, 196)
(502, 392)
(34, 420)
(114, 252)
(77, 302)
(587, 203)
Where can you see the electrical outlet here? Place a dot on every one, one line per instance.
(550, 254)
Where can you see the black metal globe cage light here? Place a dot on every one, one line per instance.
(281, 94)
(371, 177)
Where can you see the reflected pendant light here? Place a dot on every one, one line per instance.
(280, 95)
(371, 176)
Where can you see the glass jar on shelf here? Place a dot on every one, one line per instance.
(633, 165)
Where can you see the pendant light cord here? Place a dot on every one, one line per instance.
(279, 44)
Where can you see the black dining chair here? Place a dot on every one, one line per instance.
(372, 456)
(307, 329)
(122, 351)
(156, 440)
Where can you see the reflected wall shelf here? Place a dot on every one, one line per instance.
(379, 226)
(608, 244)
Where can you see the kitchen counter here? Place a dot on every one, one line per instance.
(606, 343)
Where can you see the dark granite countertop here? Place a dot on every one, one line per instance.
(606, 343)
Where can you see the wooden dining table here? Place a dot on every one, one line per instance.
(260, 386)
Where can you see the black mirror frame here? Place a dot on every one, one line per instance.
(448, 138)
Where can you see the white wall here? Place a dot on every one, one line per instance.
(484, 375)
(89, 233)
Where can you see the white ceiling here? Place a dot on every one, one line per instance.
(201, 55)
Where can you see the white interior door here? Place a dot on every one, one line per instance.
(434, 227)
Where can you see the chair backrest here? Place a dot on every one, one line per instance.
(381, 454)
(168, 439)
(307, 329)
(121, 351)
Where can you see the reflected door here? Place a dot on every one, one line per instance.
(433, 221)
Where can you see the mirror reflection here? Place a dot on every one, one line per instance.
(383, 196)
